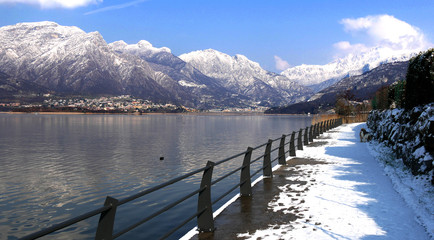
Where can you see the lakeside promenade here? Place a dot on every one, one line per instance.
(333, 189)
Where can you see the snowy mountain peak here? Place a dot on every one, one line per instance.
(241, 57)
(143, 44)
(143, 47)
(206, 55)
(42, 27)
(210, 60)
(244, 76)
(30, 40)
(350, 65)
(119, 44)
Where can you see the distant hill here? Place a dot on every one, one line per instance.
(12, 88)
(362, 86)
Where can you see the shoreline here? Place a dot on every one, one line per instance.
(185, 113)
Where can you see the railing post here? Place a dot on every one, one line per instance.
(321, 127)
(245, 181)
(205, 222)
(282, 158)
(311, 133)
(267, 172)
(326, 126)
(292, 145)
(306, 137)
(107, 220)
(299, 140)
(315, 131)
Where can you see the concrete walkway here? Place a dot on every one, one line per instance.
(333, 189)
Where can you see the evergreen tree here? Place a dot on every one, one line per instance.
(419, 88)
(374, 103)
(399, 94)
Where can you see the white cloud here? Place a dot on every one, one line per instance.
(54, 3)
(345, 48)
(382, 31)
(280, 63)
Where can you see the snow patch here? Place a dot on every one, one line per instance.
(190, 84)
(348, 198)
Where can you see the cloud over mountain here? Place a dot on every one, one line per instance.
(384, 31)
(281, 64)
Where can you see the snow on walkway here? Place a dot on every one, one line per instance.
(351, 197)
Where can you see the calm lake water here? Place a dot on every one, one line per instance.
(54, 167)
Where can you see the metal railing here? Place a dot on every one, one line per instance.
(204, 213)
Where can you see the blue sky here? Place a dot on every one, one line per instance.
(277, 34)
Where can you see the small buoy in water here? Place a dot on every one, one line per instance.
(161, 158)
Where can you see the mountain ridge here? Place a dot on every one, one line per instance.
(67, 60)
(319, 77)
(363, 87)
(246, 76)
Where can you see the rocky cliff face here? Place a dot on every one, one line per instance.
(410, 134)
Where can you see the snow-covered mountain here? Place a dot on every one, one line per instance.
(363, 87)
(246, 77)
(321, 76)
(185, 79)
(69, 60)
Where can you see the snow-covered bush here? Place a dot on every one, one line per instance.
(409, 133)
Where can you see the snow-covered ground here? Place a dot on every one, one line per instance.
(357, 195)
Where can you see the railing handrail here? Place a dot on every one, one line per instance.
(153, 189)
(111, 203)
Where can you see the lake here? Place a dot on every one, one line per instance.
(54, 167)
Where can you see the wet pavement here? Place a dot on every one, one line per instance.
(248, 214)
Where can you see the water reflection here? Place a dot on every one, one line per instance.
(58, 166)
